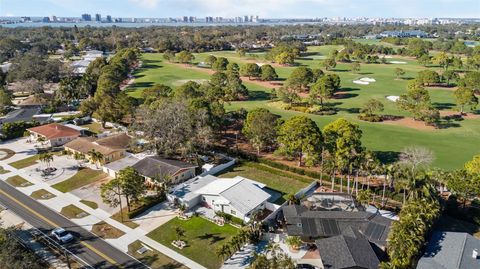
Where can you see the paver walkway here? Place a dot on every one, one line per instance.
(96, 215)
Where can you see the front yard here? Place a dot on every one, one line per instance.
(153, 258)
(202, 237)
(83, 177)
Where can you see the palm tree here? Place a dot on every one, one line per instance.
(95, 156)
(292, 199)
(180, 232)
(46, 158)
(223, 251)
(294, 242)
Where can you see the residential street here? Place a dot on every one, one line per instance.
(88, 247)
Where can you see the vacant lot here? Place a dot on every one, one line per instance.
(202, 236)
(153, 258)
(83, 177)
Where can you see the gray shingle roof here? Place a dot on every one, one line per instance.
(450, 250)
(154, 166)
(342, 251)
(315, 224)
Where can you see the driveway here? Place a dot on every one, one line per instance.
(91, 192)
(66, 167)
(156, 216)
(21, 148)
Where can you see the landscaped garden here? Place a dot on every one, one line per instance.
(201, 236)
(83, 177)
(448, 155)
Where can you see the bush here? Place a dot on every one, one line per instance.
(230, 219)
(147, 202)
(370, 118)
(16, 129)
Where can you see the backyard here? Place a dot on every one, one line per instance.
(280, 181)
(202, 237)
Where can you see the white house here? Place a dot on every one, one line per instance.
(238, 196)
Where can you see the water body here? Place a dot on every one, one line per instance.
(142, 24)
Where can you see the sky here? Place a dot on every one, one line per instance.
(232, 8)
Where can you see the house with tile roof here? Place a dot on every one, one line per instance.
(113, 147)
(54, 134)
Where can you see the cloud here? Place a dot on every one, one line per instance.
(146, 3)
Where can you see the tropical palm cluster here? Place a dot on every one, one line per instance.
(408, 235)
(248, 234)
(273, 258)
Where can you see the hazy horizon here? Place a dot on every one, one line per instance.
(232, 8)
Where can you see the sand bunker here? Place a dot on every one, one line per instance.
(393, 98)
(361, 82)
(364, 81)
(397, 62)
(183, 81)
(410, 123)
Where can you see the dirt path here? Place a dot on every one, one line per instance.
(410, 123)
(266, 84)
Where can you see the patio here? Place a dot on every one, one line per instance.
(65, 168)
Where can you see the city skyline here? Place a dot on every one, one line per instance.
(265, 9)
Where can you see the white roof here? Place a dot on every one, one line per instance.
(241, 193)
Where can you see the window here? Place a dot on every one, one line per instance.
(233, 212)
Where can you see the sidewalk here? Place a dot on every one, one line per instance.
(95, 215)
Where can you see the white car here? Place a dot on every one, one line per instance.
(61, 235)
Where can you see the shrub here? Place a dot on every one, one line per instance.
(370, 118)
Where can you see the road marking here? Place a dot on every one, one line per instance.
(98, 252)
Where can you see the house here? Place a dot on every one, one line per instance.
(112, 147)
(316, 224)
(114, 167)
(404, 34)
(351, 250)
(238, 196)
(54, 134)
(451, 250)
(154, 167)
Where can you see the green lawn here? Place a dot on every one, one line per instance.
(73, 212)
(3, 171)
(153, 258)
(202, 236)
(89, 203)
(282, 181)
(452, 146)
(18, 181)
(29, 161)
(8, 153)
(42, 195)
(83, 177)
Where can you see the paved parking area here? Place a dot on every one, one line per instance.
(91, 192)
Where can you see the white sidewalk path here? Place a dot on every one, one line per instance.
(96, 215)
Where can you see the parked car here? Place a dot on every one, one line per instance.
(305, 266)
(61, 235)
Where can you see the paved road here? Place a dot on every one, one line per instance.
(87, 246)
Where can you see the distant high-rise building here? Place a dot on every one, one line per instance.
(98, 17)
(191, 19)
(109, 18)
(86, 17)
(53, 18)
(185, 19)
(245, 18)
(46, 19)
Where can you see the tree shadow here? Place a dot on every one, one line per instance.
(340, 70)
(351, 110)
(365, 73)
(344, 95)
(442, 106)
(146, 84)
(258, 95)
(387, 156)
(348, 89)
